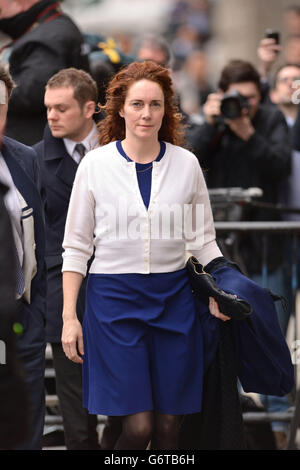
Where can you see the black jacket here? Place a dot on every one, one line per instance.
(263, 161)
(21, 162)
(49, 46)
(8, 305)
(13, 398)
(57, 173)
(296, 132)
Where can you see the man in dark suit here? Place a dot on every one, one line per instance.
(18, 171)
(13, 396)
(70, 98)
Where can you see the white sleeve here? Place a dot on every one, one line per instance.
(200, 233)
(79, 230)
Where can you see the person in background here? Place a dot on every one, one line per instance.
(39, 40)
(18, 171)
(285, 94)
(268, 53)
(291, 20)
(70, 100)
(192, 83)
(155, 48)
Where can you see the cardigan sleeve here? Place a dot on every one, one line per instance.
(200, 233)
(80, 223)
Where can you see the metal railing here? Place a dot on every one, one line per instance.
(266, 230)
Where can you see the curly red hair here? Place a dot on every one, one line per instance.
(112, 127)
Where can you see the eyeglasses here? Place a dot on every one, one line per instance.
(288, 79)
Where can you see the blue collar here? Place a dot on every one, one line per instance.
(157, 159)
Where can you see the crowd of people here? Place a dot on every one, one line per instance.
(86, 127)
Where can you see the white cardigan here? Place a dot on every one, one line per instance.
(107, 212)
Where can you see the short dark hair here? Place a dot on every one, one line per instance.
(238, 71)
(85, 87)
(7, 79)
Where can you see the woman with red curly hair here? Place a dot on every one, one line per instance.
(140, 204)
(113, 127)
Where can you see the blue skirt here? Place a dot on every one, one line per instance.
(143, 345)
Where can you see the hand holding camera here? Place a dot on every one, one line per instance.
(268, 50)
(212, 108)
(233, 109)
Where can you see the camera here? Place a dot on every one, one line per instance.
(270, 33)
(232, 104)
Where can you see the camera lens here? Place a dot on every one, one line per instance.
(232, 104)
(231, 108)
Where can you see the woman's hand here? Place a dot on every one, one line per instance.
(72, 340)
(215, 311)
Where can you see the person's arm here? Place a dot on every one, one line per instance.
(78, 243)
(72, 340)
(78, 248)
(200, 230)
(267, 52)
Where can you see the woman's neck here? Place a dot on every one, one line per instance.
(141, 152)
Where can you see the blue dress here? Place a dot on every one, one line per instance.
(142, 338)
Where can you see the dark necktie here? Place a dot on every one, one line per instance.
(80, 148)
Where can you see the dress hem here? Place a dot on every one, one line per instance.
(104, 412)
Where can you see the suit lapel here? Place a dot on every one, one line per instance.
(54, 151)
(20, 178)
(25, 189)
(66, 170)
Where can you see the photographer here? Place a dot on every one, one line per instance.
(245, 144)
(241, 143)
